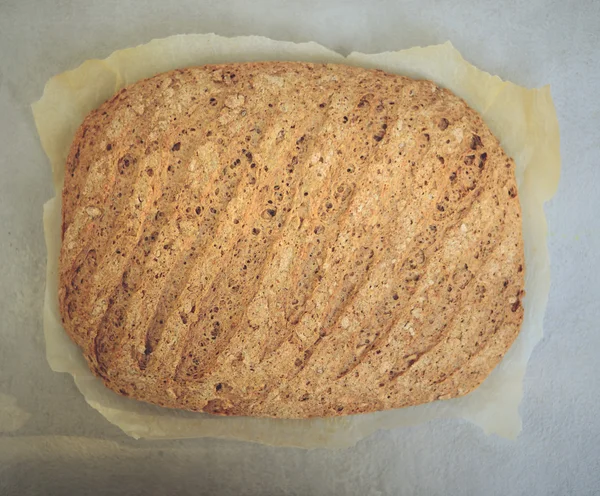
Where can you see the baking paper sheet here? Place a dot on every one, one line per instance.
(523, 119)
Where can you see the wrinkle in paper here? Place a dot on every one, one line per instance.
(523, 119)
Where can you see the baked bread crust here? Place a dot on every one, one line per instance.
(289, 240)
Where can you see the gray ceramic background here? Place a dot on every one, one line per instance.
(67, 446)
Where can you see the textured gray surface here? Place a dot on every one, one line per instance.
(65, 445)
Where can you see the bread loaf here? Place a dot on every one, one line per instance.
(289, 240)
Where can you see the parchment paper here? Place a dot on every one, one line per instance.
(523, 119)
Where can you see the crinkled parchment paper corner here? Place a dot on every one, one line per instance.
(523, 119)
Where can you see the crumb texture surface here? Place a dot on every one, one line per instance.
(289, 240)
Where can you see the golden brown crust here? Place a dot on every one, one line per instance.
(289, 240)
